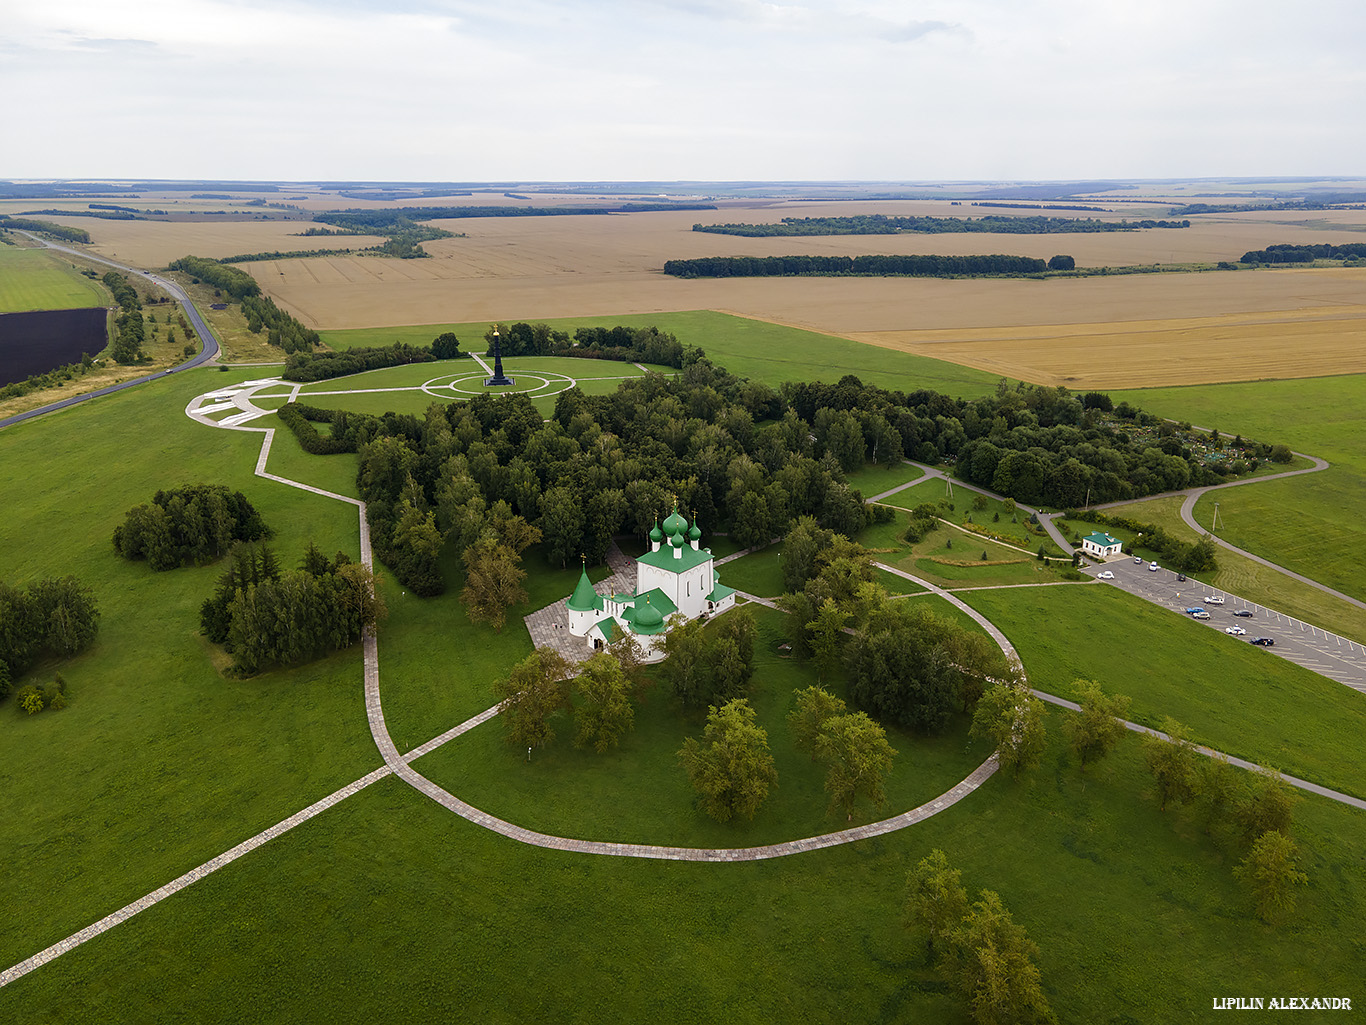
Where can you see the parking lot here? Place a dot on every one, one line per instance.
(1325, 653)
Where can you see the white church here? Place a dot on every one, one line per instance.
(675, 577)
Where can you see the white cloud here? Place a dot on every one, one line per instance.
(681, 88)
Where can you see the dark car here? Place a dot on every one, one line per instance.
(1180, 576)
(1265, 642)
(1244, 613)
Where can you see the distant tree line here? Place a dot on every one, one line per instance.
(194, 523)
(54, 616)
(881, 224)
(60, 231)
(293, 254)
(627, 344)
(865, 266)
(232, 280)
(129, 327)
(392, 220)
(264, 616)
(1288, 253)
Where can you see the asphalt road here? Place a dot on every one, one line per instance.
(207, 353)
(1325, 653)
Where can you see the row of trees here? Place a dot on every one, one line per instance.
(232, 280)
(1291, 253)
(283, 330)
(50, 617)
(881, 224)
(303, 365)
(627, 344)
(927, 266)
(978, 948)
(265, 616)
(1251, 812)
(130, 331)
(60, 231)
(599, 696)
(194, 523)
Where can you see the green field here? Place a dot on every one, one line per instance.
(748, 348)
(35, 279)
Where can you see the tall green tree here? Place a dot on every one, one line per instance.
(531, 694)
(858, 760)
(990, 960)
(731, 768)
(604, 713)
(935, 901)
(493, 582)
(1171, 761)
(1269, 804)
(1011, 719)
(813, 707)
(1099, 726)
(1270, 874)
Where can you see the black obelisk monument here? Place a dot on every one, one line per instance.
(499, 378)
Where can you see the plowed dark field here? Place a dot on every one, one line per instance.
(36, 342)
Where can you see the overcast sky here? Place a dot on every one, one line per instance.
(681, 89)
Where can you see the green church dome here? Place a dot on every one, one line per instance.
(694, 532)
(656, 535)
(648, 617)
(675, 524)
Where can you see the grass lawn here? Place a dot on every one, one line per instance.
(1233, 696)
(873, 480)
(1240, 575)
(984, 512)
(389, 906)
(565, 791)
(37, 279)
(159, 762)
(749, 348)
(759, 573)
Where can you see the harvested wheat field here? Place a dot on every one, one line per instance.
(154, 244)
(1114, 331)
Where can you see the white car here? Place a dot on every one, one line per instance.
(1213, 600)
(1200, 614)
(1152, 567)
(1105, 575)
(1236, 631)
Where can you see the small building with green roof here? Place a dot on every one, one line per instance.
(676, 577)
(1101, 546)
